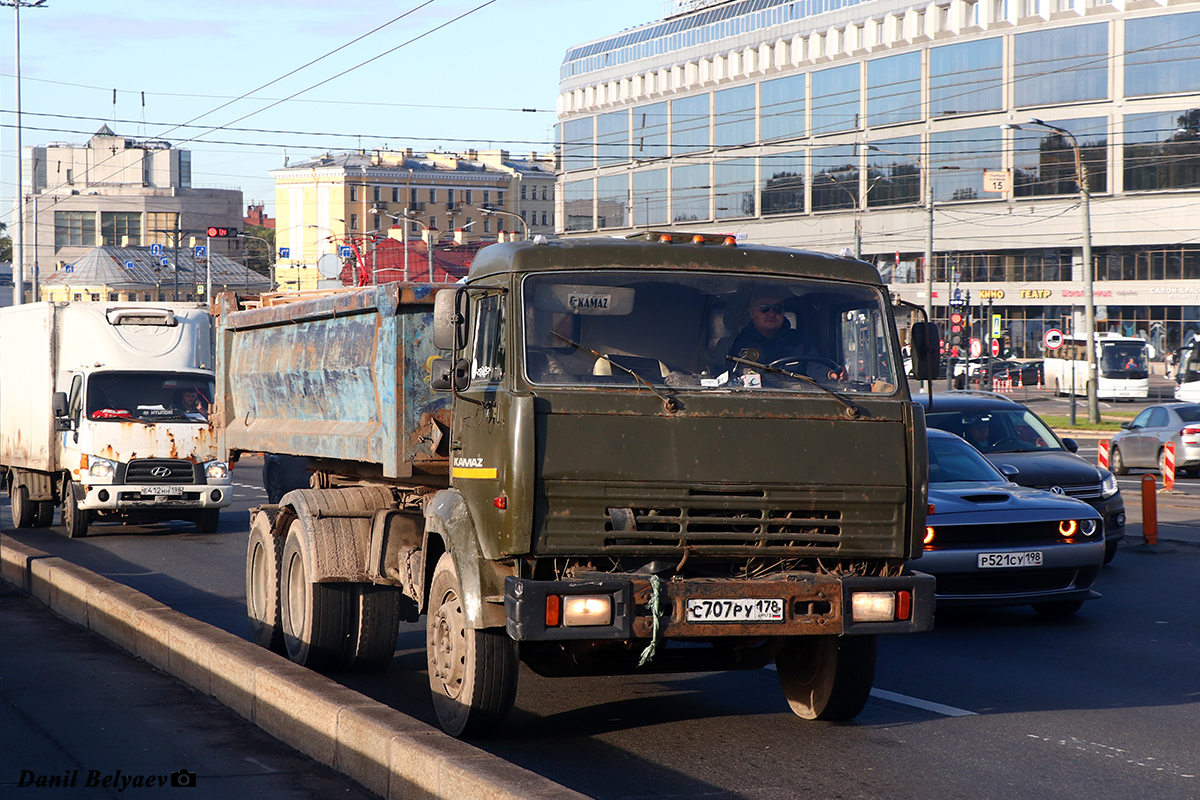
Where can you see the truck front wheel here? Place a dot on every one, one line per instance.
(472, 673)
(827, 677)
(75, 519)
(263, 555)
(315, 617)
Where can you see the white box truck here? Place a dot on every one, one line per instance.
(104, 412)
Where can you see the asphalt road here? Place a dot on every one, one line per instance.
(995, 704)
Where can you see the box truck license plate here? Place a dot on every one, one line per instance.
(162, 491)
(757, 609)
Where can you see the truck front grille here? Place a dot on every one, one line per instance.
(581, 517)
(160, 470)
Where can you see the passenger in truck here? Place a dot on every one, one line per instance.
(192, 403)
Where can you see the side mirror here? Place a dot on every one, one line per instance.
(59, 405)
(1007, 470)
(1071, 445)
(448, 375)
(924, 341)
(1127, 426)
(449, 322)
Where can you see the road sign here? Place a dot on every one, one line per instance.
(976, 348)
(164, 262)
(956, 297)
(1053, 339)
(156, 249)
(996, 347)
(128, 265)
(285, 252)
(996, 326)
(345, 251)
(201, 251)
(997, 180)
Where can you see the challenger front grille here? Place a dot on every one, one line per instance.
(160, 470)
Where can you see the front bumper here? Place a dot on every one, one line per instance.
(123, 498)
(813, 605)
(1067, 573)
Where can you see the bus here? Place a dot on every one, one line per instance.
(1187, 371)
(1122, 367)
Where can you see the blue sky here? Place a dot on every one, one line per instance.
(461, 86)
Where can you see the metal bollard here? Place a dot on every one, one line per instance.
(1149, 510)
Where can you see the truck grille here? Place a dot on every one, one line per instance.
(160, 470)
(784, 521)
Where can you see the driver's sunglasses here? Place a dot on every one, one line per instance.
(765, 307)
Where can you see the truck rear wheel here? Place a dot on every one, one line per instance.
(75, 519)
(827, 677)
(472, 673)
(263, 555)
(378, 626)
(315, 617)
(44, 516)
(19, 507)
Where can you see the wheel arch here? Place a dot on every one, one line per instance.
(336, 526)
(449, 528)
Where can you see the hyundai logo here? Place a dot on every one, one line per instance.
(163, 472)
(1057, 490)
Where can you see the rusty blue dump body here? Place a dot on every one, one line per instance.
(340, 377)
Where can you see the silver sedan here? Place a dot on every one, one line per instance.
(1142, 442)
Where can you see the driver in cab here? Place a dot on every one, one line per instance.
(769, 337)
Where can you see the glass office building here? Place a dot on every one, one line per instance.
(833, 124)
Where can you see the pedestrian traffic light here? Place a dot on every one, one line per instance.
(956, 328)
(217, 232)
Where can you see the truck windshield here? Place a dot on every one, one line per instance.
(706, 332)
(149, 396)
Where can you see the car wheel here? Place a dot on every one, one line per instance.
(1116, 462)
(1056, 609)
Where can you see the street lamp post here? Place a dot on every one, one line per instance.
(858, 204)
(1089, 308)
(19, 255)
(524, 226)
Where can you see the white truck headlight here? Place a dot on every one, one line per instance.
(101, 467)
(216, 470)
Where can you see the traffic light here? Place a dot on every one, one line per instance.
(956, 329)
(217, 232)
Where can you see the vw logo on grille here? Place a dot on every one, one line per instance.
(1057, 490)
(163, 472)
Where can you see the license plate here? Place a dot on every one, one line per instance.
(756, 609)
(160, 491)
(1031, 558)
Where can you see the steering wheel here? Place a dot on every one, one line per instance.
(788, 362)
(1009, 443)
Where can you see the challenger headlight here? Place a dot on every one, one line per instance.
(1108, 487)
(216, 470)
(101, 468)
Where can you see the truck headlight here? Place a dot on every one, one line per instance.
(1108, 487)
(216, 470)
(101, 467)
(584, 610)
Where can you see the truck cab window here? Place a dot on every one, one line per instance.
(487, 361)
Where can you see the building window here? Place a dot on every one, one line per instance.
(783, 184)
(433, 195)
(965, 78)
(500, 199)
(578, 203)
(612, 138)
(649, 197)
(354, 222)
(1162, 54)
(468, 199)
(733, 117)
(395, 194)
(782, 112)
(113, 297)
(612, 201)
(487, 224)
(835, 94)
(650, 131)
(115, 226)
(487, 197)
(734, 188)
(1162, 151)
(545, 189)
(543, 219)
(834, 178)
(689, 193)
(353, 192)
(449, 198)
(74, 228)
(1044, 161)
(894, 89)
(160, 227)
(972, 150)
(893, 180)
(577, 149)
(522, 191)
(689, 124)
(412, 196)
(1061, 65)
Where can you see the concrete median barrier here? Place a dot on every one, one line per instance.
(385, 751)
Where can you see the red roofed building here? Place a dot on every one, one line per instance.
(385, 261)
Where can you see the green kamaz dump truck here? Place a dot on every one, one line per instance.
(597, 456)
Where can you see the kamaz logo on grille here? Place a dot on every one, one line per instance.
(164, 472)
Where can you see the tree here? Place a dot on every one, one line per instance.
(6, 253)
(258, 255)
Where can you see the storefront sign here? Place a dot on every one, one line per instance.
(1035, 294)
(991, 294)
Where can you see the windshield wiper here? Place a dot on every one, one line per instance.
(852, 408)
(669, 403)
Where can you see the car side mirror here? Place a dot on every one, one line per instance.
(924, 340)
(448, 375)
(1008, 470)
(1126, 426)
(1071, 445)
(59, 405)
